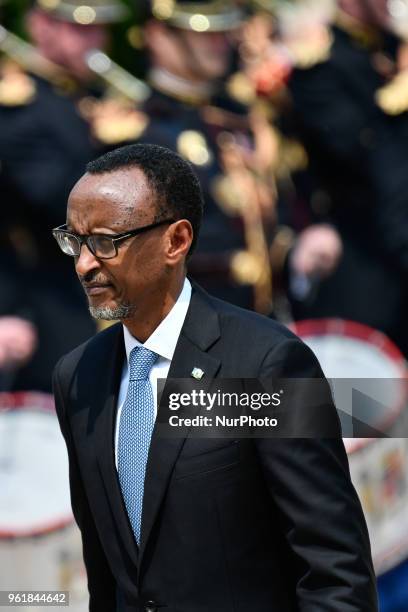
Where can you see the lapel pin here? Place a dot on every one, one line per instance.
(197, 373)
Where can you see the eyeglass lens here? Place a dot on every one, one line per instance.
(68, 244)
(100, 246)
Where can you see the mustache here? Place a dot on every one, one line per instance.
(93, 278)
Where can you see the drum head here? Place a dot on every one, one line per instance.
(347, 349)
(362, 360)
(366, 370)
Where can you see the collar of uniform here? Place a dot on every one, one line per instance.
(365, 35)
(178, 88)
(164, 338)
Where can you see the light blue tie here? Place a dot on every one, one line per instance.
(135, 431)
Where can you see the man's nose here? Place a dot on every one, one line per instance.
(86, 261)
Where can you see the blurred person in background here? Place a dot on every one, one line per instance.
(45, 142)
(190, 52)
(17, 341)
(242, 250)
(347, 105)
(265, 65)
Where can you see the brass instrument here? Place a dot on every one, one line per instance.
(252, 193)
(120, 81)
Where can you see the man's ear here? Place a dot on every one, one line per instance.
(179, 237)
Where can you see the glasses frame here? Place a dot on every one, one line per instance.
(115, 238)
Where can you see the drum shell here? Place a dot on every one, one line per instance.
(40, 543)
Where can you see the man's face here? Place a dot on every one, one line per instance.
(194, 56)
(210, 53)
(113, 203)
(75, 41)
(66, 43)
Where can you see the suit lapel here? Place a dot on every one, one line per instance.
(105, 449)
(200, 331)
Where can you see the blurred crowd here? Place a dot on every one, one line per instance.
(293, 114)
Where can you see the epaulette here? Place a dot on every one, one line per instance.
(224, 192)
(240, 88)
(307, 52)
(193, 146)
(292, 157)
(246, 267)
(121, 128)
(17, 88)
(392, 98)
(112, 121)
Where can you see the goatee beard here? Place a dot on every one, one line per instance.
(122, 311)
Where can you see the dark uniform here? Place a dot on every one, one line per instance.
(358, 149)
(44, 146)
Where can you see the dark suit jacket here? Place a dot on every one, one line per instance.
(256, 525)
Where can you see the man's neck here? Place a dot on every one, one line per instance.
(145, 321)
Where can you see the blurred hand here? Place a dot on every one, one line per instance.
(317, 251)
(18, 340)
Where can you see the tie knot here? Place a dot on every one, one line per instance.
(141, 361)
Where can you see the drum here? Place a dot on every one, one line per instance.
(363, 363)
(40, 544)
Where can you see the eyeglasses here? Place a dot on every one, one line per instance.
(102, 246)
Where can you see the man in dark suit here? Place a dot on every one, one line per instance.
(183, 523)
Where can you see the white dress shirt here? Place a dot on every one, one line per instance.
(163, 342)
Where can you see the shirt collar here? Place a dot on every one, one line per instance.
(179, 88)
(164, 338)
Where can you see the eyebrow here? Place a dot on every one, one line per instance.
(102, 232)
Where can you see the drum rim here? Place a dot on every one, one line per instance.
(383, 562)
(353, 329)
(43, 403)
